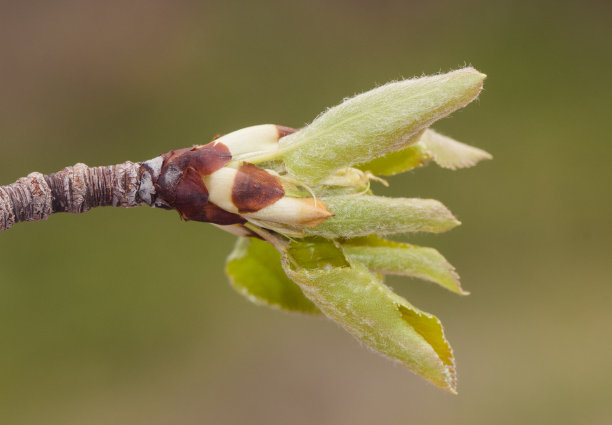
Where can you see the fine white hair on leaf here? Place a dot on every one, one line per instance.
(376, 122)
(365, 215)
(371, 312)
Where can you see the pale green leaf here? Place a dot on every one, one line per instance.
(358, 300)
(364, 215)
(255, 271)
(375, 122)
(429, 145)
(449, 153)
(389, 257)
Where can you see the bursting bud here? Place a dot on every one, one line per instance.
(310, 227)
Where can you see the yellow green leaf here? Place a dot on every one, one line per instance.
(358, 300)
(364, 215)
(390, 257)
(428, 145)
(255, 271)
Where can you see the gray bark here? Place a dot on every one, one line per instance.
(79, 188)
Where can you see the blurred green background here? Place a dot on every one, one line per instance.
(125, 316)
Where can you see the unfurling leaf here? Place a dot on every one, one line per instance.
(364, 215)
(255, 271)
(351, 295)
(428, 145)
(376, 122)
(412, 156)
(389, 257)
(451, 154)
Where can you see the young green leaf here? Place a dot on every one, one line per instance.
(389, 257)
(412, 156)
(364, 215)
(255, 271)
(375, 122)
(429, 145)
(358, 300)
(449, 153)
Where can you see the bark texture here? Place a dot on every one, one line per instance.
(77, 189)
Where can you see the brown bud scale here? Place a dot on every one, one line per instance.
(255, 189)
(284, 131)
(200, 161)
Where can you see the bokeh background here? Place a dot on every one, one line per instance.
(125, 316)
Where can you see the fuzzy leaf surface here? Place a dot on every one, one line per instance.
(429, 145)
(373, 123)
(364, 215)
(351, 295)
(390, 257)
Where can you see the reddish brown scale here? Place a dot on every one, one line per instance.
(255, 189)
(191, 195)
(170, 175)
(205, 159)
(214, 214)
(180, 182)
(209, 158)
(284, 131)
(172, 155)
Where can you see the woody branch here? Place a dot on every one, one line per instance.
(77, 189)
(175, 180)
